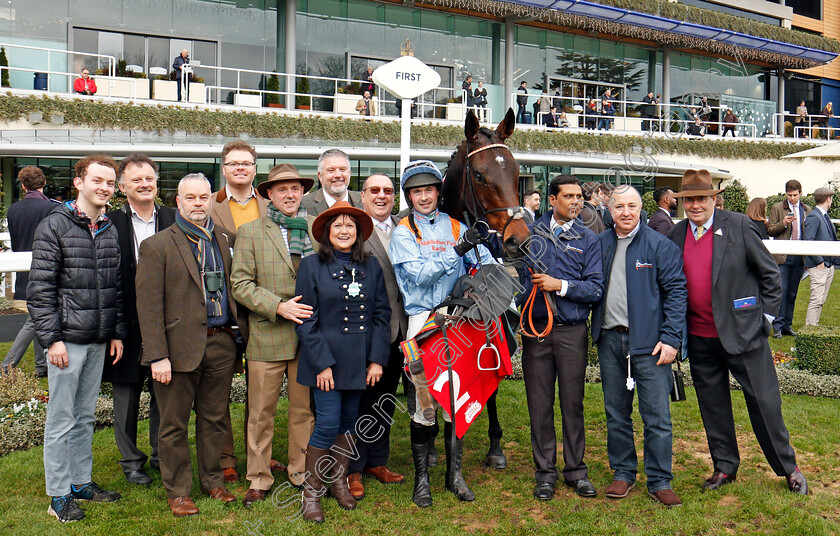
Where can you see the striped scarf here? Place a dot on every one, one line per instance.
(298, 228)
(208, 257)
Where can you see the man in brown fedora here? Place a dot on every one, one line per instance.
(267, 256)
(734, 290)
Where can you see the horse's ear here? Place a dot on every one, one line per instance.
(471, 126)
(505, 128)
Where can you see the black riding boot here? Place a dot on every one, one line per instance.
(420, 439)
(433, 454)
(454, 479)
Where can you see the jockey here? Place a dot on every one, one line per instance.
(429, 252)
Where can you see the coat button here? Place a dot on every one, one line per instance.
(346, 297)
(361, 317)
(335, 275)
(362, 307)
(346, 319)
(343, 286)
(346, 330)
(361, 296)
(346, 308)
(361, 328)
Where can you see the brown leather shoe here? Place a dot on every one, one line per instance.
(666, 497)
(230, 474)
(619, 489)
(384, 475)
(182, 506)
(221, 494)
(252, 496)
(357, 489)
(277, 467)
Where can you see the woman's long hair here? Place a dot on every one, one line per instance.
(326, 252)
(757, 210)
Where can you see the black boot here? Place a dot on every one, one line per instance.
(495, 456)
(454, 479)
(433, 454)
(420, 438)
(313, 486)
(341, 450)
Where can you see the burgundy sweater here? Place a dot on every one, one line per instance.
(698, 274)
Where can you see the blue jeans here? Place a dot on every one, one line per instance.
(791, 271)
(654, 386)
(604, 123)
(520, 113)
(335, 413)
(68, 432)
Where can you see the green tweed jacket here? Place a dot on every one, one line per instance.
(262, 276)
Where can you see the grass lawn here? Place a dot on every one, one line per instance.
(758, 503)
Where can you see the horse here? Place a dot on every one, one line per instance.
(481, 183)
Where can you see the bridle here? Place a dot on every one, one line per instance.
(471, 198)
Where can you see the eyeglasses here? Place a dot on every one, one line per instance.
(234, 165)
(376, 189)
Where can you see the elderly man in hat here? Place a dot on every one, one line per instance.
(429, 252)
(266, 259)
(734, 289)
(818, 226)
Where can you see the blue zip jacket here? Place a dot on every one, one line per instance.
(656, 294)
(574, 257)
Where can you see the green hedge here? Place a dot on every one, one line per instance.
(163, 119)
(818, 350)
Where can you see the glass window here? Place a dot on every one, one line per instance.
(134, 51)
(85, 41)
(158, 55)
(111, 44)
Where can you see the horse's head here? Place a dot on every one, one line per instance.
(495, 180)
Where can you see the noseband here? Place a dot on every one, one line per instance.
(472, 201)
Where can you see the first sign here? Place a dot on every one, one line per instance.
(406, 77)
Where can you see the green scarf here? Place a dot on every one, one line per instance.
(298, 227)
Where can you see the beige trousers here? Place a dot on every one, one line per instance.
(265, 378)
(821, 278)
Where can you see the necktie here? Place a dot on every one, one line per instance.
(383, 227)
(794, 233)
(698, 233)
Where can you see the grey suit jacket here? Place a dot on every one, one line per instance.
(314, 202)
(399, 319)
(748, 270)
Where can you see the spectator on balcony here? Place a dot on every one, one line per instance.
(550, 119)
(85, 85)
(607, 113)
(563, 120)
(729, 122)
(466, 87)
(589, 114)
(705, 110)
(366, 107)
(545, 104)
(369, 86)
(802, 120)
(648, 110)
(178, 66)
(827, 113)
(480, 100)
(521, 101)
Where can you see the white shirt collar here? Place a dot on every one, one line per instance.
(555, 224)
(332, 200)
(135, 213)
(387, 222)
(633, 233)
(229, 195)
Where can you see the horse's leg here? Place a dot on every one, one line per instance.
(495, 456)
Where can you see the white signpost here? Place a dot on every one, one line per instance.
(407, 78)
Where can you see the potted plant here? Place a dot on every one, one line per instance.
(272, 100)
(303, 102)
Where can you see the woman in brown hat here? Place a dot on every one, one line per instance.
(343, 345)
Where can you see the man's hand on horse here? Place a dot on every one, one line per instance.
(546, 283)
(472, 237)
(374, 373)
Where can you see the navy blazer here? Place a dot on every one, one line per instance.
(656, 294)
(818, 227)
(23, 218)
(344, 332)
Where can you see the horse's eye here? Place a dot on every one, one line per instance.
(479, 177)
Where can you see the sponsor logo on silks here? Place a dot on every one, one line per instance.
(640, 264)
(472, 411)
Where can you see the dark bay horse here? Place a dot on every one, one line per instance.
(482, 183)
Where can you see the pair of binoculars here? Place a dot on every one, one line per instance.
(213, 280)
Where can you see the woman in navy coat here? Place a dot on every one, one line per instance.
(343, 345)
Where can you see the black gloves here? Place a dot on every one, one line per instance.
(474, 236)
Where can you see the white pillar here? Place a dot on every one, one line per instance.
(509, 46)
(780, 102)
(666, 88)
(291, 50)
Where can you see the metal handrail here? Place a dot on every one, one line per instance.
(813, 122)
(112, 61)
